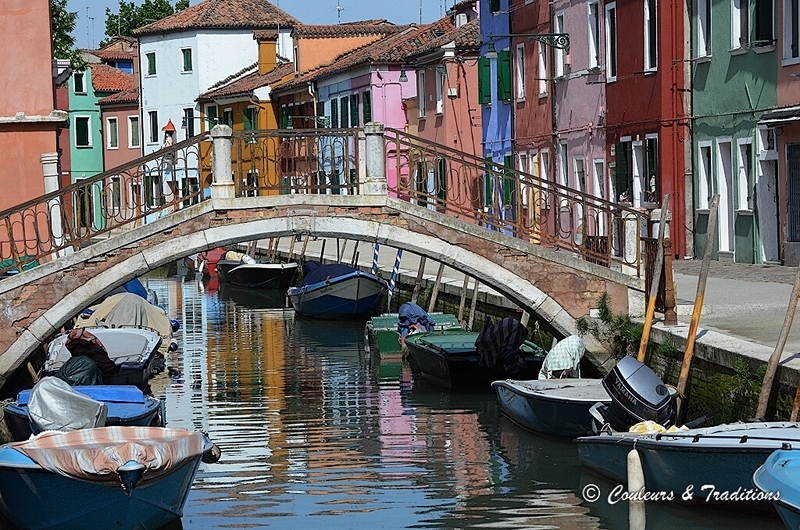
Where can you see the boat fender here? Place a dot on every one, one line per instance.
(636, 507)
(173, 346)
(212, 455)
(175, 324)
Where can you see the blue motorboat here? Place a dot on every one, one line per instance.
(337, 291)
(127, 405)
(779, 480)
(74, 480)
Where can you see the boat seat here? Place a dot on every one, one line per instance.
(54, 405)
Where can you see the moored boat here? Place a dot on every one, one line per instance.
(385, 333)
(245, 271)
(778, 479)
(337, 291)
(104, 477)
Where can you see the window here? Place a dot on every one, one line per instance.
(343, 114)
(560, 55)
(704, 176)
(740, 23)
(286, 117)
(520, 71)
(187, 59)
(212, 113)
(542, 70)
(791, 29)
(484, 81)
(650, 35)
(704, 27)
(133, 131)
(116, 195)
(637, 171)
(563, 176)
(188, 121)
(321, 119)
(151, 63)
(421, 92)
(504, 75)
(745, 175)
(598, 178)
(334, 114)
(367, 108)
(439, 92)
(112, 133)
(227, 117)
(611, 41)
(494, 6)
(83, 131)
(765, 24)
(250, 121)
(354, 110)
(580, 174)
(79, 84)
(651, 184)
(153, 116)
(594, 35)
(544, 174)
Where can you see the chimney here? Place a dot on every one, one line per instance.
(267, 51)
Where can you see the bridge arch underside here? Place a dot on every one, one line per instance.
(490, 260)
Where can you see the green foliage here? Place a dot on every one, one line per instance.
(129, 16)
(63, 24)
(618, 333)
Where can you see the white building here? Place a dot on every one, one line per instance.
(181, 56)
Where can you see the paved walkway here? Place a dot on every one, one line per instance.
(741, 300)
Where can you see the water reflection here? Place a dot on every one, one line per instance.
(315, 435)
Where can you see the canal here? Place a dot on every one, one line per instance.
(316, 434)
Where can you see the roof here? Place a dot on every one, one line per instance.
(120, 48)
(222, 14)
(467, 36)
(248, 82)
(390, 49)
(128, 96)
(106, 78)
(353, 29)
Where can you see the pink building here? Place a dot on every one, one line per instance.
(28, 119)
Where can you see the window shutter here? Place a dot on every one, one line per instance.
(367, 108)
(504, 75)
(484, 81)
(354, 110)
(508, 181)
(622, 171)
(334, 114)
(487, 183)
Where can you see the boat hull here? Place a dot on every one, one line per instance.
(558, 407)
(383, 338)
(127, 406)
(260, 275)
(779, 473)
(449, 358)
(355, 295)
(704, 462)
(33, 498)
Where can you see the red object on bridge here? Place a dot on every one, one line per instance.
(209, 259)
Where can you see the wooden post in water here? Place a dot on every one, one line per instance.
(474, 304)
(355, 255)
(698, 302)
(303, 250)
(435, 293)
(775, 358)
(292, 241)
(322, 250)
(651, 303)
(418, 282)
(463, 300)
(670, 315)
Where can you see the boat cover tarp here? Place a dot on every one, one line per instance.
(498, 344)
(315, 272)
(126, 309)
(80, 342)
(411, 317)
(80, 370)
(564, 360)
(95, 454)
(55, 406)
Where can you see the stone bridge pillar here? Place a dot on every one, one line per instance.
(222, 187)
(50, 172)
(375, 154)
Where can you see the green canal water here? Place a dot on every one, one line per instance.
(316, 434)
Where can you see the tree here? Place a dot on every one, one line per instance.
(130, 16)
(63, 23)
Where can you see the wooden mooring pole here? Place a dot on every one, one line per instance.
(435, 293)
(418, 282)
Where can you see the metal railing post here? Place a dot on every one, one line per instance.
(222, 187)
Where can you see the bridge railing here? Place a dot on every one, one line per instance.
(515, 203)
(125, 197)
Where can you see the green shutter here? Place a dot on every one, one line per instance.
(487, 183)
(504, 75)
(354, 110)
(344, 107)
(622, 171)
(494, 6)
(320, 114)
(334, 114)
(247, 119)
(484, 81)
(508, 181)
(367, 109)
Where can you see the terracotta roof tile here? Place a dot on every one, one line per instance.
(354, 29)
(128, 96)
(222, 14)
(109, 79)
(467, 36)
(244, 85)
(120, 48)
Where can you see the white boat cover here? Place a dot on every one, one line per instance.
(96, 454)
(55, 406)
(126, 309)
(564, 360)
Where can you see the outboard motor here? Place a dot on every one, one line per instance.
(637, 395)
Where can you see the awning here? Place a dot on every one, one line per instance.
(783, 116)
